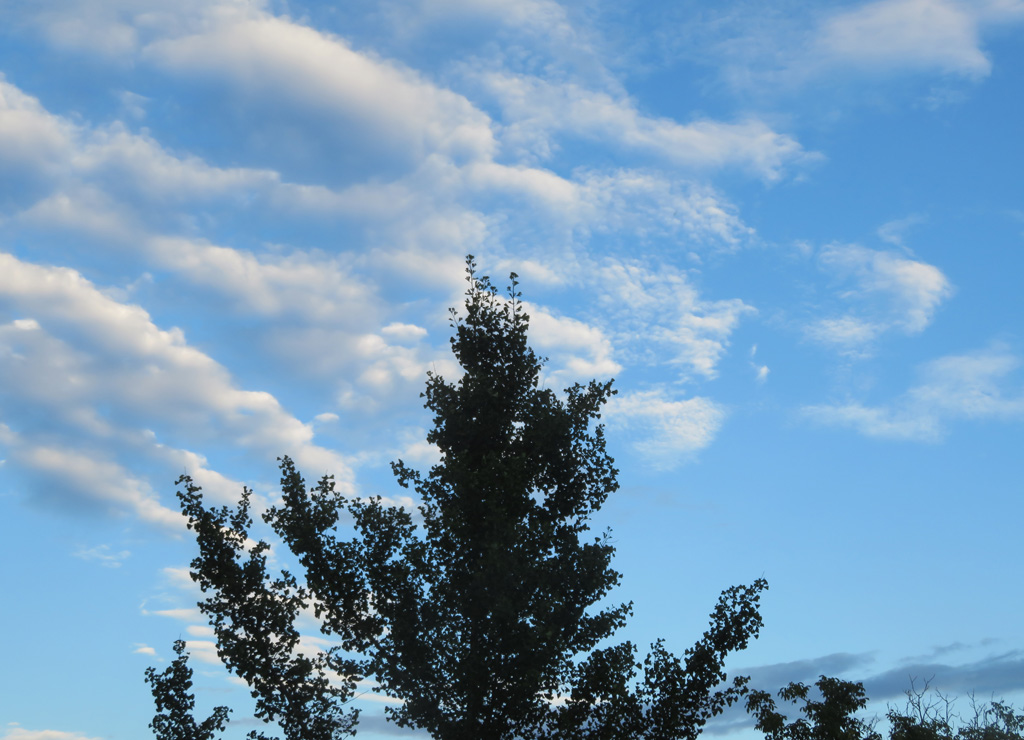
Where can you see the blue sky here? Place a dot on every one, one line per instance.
(792, 232)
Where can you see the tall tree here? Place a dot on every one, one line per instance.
(480, 612)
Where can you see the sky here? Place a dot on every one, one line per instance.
(792, 232)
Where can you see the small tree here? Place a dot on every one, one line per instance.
(830, 718)
(479, 614)
(175, 703)
(929, 715)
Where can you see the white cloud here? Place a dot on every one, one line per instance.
(536, 111)
(969, 385)
(108, 170)
(133, 105)
(314, 287)
(579, 352)
(201, 630)
(119, 28)
(367, 371)
(27, 130)
(311, 288)
(115, 186)
(181, 578)
(437, 201)
(764, 51)
(876, 421)
(142, 649)
(953, 388)
(544, 33)
(189, 614)
(38, 148)
(760, 371)
(892, 231)
(416, 450)
(658, 310)
(545, 24)
(20, 733)
(84, 209)
(538, 14)
(669, 431)
(649, 204)
(105, 376)
(91, 352)
(927, 34)
(886, 292)
(33, 145)
(137, 163)
(404, 332)
(101, 481)
(847, 332)
(387, 364)
(282, 63)
(321, 289)
(205, 651)
(103, 555)
(543, 186)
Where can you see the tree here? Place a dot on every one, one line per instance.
(923, 717)
(479, 612)
(926, 718)
(175, 703)
(253, 616)
(830, 718)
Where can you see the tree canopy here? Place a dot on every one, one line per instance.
(832, 710)
(483, 611)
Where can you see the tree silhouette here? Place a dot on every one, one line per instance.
(830, 718)
(833, 716)
(478, 611)
(175, 703)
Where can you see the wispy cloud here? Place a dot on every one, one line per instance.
(893, 231)
(14, 732)
(537, 112)
(974, 386)
(659, 314)
(884, 291)
(103, 555)
(666, 430)
(768, 50)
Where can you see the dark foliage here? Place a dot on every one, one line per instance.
(175, 702)
(829, 718)
(927, 715)
(253, 616)
(930, 715)
(480, 613)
